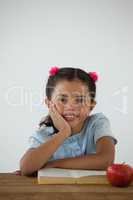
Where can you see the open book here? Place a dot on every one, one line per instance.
(71, 176)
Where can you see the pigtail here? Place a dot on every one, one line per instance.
(47, 121)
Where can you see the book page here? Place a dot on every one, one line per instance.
(58, 172)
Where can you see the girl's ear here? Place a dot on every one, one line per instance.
(46, 102)
(93, 104)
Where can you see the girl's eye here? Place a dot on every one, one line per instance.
(76, 100)
(79, 100)
(63, 100)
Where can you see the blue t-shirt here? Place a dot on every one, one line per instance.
(82, 143)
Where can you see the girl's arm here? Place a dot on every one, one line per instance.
(35, 159)
(103, 157)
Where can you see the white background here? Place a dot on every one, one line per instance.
(95, 35)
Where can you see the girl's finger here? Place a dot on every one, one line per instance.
(51, 107)
(54, 108)
(56, 111)
(52, 112)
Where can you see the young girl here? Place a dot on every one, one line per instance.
(69, 137)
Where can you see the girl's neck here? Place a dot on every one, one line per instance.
(78, 129)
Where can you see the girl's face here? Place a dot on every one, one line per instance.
(72, 100)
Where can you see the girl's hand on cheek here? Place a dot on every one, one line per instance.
(59, 122)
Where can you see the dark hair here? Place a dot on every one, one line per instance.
(69, 74)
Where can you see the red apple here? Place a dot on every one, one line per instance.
(120, 174)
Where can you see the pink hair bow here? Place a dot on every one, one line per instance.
(53, 71)
(93, 75)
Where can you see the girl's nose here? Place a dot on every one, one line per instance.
(71, 105)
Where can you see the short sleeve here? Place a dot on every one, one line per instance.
(102, 128)
(40, 136)
(34, 140)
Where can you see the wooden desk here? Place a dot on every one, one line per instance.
(15, 187)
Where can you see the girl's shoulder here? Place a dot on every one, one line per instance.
(41, 134)
(97, 121)
(99, 126)
(94, 118)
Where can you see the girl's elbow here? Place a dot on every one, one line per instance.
(25, 168)
(107, 162)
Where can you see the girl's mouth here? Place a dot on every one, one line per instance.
(70, 117)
